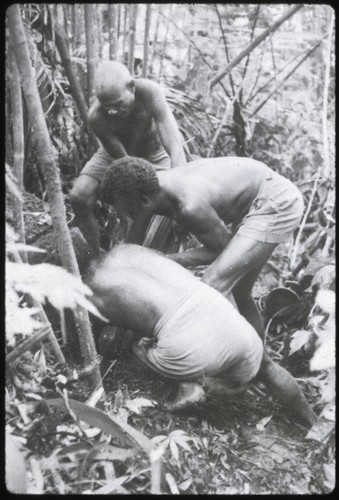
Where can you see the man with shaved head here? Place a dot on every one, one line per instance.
(130, 117)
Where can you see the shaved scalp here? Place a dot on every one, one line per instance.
(111, 77)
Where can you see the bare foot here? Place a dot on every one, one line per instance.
(215, 385)
(189, 393)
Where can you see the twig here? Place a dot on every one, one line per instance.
(225, 44)
(28, 344)
(286, 78)
(252, 35)
(253, 45)
(303, 222)
(216, 135)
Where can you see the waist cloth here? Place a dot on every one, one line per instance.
(202, 335)
(98, 165)
(275, 212)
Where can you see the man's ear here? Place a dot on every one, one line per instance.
(131, 86)
(145, 201)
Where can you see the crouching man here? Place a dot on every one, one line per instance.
(188, 331)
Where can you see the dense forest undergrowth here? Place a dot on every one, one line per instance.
(81, 419)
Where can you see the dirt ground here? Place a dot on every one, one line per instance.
(241, 453)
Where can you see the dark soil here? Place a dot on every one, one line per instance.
(237, 457)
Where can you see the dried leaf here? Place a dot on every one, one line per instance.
(262, 423)
(298, 340)
(320, 430)
(135, 405)
(184, 485)
(95, 397)
(329, 471)
(324, 276)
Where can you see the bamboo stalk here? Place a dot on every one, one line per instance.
(112, 32)
(155, 39)
(146, 39)
(18, 146)
(60, 39)
(132, 26)
(98, 28)
(327, 168)
(165, 42)
(50, 171)
(90, 49)
(124, 33)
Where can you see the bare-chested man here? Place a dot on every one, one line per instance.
(188, 331)
(130, 117)
(262, 207)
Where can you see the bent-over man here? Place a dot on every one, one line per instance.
(188, 330)
(130, 117)
(262, 207)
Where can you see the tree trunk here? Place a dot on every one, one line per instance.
(155, 39)
(118, 30)
(90, 49)
(146, 38)
(112, 32)
(73, 24)
(216, 79)
(132, 25)
(18, 146)
(124, 34)
(45, 156)
(98, 22)
(78, 25)
(61, 43)
(165, 42)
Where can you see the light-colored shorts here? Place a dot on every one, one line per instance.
(275, 212)
(101, 160)
(202, 335)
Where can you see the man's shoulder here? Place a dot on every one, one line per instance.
(147, 88)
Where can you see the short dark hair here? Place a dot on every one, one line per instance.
(128, 179)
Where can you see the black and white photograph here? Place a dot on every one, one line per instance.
(170, 249)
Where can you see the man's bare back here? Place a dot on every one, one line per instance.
(228, 185)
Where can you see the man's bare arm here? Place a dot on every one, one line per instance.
(210, 230)
(111, 142)
(166, 124)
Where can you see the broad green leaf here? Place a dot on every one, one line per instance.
(123, 432)
(174, 449)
